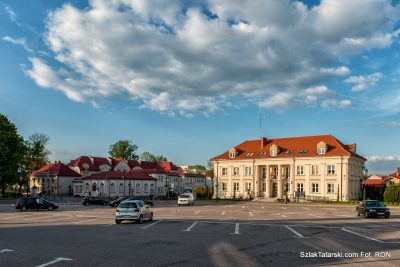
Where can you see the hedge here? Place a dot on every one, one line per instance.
(392, 194)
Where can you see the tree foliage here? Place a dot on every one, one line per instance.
(147, 156)
(123, 149)
(38, 153)
(392, 194)
(12, 149)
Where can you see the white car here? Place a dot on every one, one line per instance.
(186, 199)
(133, 210)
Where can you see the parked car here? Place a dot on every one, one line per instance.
(133, 210)
(186, 199)
(30, 203)
(116, 202)
(94, 201)
(371, 208)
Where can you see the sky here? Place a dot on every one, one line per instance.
(190, 79)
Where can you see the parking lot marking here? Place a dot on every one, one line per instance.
(306, 208)
(147, 226)
(106, 225)
(54, 261)
(263, 207)
(283, 208)
(88, 220)
(294, 232)
(190, 227)
(6, 250)
(223, 213)
(251, 214)
(316, 216)
(243, 207)
(367, 237)
(236, 230)
(197, 212)
(283, 215)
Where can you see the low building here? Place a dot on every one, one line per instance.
(54, 178)
(319, 167)
(116, 183)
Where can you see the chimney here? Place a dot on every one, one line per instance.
(263, 142)
(398, 171)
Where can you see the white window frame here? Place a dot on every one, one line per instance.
(314, 170)
(232, 155)
(300, 170)
(247, 170)
(236, 186)
(224, 186)
(315, 187)
(235, 170)
(331, 169)
(321, 150)
(273, 153)
(330, 188)
(248, 186)
(300, 187)
(224, 171)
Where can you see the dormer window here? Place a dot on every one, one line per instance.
(273, 151)
(321, 150)
(233, 152)
(232, 155)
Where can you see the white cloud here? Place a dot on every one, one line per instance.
(363, 82)
(11, 13)
(18, 41)
(393, 124)
(383, 164)
(172, 58)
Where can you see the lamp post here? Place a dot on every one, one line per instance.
(286, 188)
(166, 188)
(19, 170)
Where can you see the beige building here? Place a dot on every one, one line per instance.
(319, 167)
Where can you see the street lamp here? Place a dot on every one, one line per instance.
(166, 188)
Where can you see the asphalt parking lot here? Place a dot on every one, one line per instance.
(209, 233)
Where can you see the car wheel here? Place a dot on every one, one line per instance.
(24, 209)
(50, 208)
(367, 214)
(105, 203)
(87, 204)
(387, 216)
(151, 217)
(140, 219)
(117, 221)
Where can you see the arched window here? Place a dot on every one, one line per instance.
(94, 187)
(137, 188)
(152, 188)
(102, 187)
(87, 187)
(121, 188)
(112, 188)
(146, 188)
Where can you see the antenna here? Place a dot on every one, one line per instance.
(261, 132)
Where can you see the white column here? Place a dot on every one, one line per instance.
(280, 182)
(267, 182)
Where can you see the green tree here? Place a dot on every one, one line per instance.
(123, 149)
(392, 194)
(38, 154)
(12, 149)
(147, 156)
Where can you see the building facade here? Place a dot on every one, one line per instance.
(319, 167)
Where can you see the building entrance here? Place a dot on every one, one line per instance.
(274, 189)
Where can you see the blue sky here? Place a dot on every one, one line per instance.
(187, 79)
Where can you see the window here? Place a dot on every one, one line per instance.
(275, 172)
(94, 187)
(248, 186)
(152, 188)
(264, 173)
(121, 188)
(331, 169)
(146, 188)
(224, 171)
(331, 188)
(314, 170)
(235, 186)
(300, 187)
(264, 187)
(287, 187)
(249, 154)
(235, 170)
(273, 153)
(112, 188)
(391, 183)
(300, 170)
(224, 187)
(247, 170)
(137, 188)
(232, 155)
(287, 171)
(321, 150)
(315, 188)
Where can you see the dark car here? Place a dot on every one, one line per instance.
(117, 201)
(371, 208)
(94, 201)
(33, 203)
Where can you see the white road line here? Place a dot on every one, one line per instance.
(367, 237)
(243, 207)
(283, 208)
(190, 227)
(88, 220)
(197, 212)
(174, 211)
(306, 208)
(283, 215)
(54, 261)
(236, 230)
(294, 232)
(316, 216)
(251, 214)
(106, 225)
(263, 207)
(6, 250)
(223, 213)
(147, 226)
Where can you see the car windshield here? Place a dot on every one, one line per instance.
(373, 204)
(184, 196)
(128, 205)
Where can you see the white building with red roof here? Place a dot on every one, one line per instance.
(54, 178)
(319, 167)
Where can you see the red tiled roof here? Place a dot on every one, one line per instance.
(149, 171)
(198, 175)
(133, 163)
(168, 166)
(305, 146)
(112, 175)
(56, 169)
(78, 162)
(98, 161)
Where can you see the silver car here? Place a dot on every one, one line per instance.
(133, 210)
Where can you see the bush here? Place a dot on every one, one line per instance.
(392, 194)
